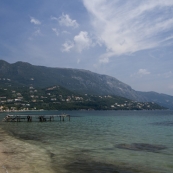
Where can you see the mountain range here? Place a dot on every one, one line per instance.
(76, 80)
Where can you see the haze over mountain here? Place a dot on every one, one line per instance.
(81, 81)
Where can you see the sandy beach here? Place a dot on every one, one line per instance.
(3, 160)
(4, 153)
(17, 156)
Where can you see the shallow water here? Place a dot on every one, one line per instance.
(93, 141)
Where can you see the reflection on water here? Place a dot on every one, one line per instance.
(94, 141)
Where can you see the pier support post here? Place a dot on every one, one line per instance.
(28, 118)
(41, 118)
(18, 118)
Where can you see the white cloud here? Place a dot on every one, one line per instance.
(35, 21)
(143, 72)
(53, 18)
(67, 46)
(55, 31)
(105, 57)
(80, 42)
(65, 20)
(129, 26)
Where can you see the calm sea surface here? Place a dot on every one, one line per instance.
(93, 141)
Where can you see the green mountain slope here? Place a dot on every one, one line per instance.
(81, 81)
(59, 98)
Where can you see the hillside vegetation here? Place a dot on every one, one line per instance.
(75, 80)
(59, 98)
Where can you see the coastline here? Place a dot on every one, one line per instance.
(22, 111)
(16, 111)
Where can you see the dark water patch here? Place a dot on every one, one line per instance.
(29, 136)
(85, 166)
(142, 147)
(164, 123)
(80, 162)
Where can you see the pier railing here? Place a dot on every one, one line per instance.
(40, 118)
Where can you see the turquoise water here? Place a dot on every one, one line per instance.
(93, 141)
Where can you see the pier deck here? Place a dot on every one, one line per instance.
(40, 118)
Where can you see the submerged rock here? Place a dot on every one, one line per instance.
(164, 123)
(85, 166)
(142, 147)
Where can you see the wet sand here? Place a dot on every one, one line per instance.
(3, 159)
(17, 156)
(4, 153)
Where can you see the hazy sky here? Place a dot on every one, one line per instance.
(131, 40)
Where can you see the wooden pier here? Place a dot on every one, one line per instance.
(39, 118)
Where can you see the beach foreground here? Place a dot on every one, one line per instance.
(19, 157)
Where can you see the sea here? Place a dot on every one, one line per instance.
(91, 142)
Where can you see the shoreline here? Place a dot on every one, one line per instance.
(19, 156)
(3, 159)
(5, 153)
(89, 110)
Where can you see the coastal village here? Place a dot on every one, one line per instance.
(17, 99)
(56, 97)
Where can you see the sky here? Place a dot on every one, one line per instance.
(129, 40)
